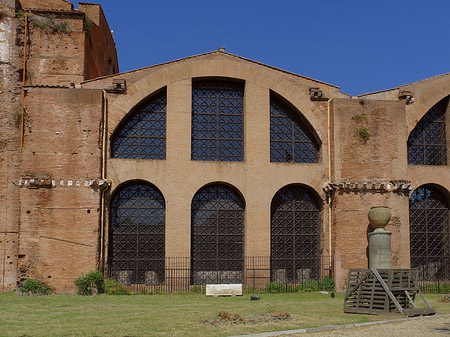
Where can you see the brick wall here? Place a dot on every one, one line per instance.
(47, 4)
(378, 159)
(84, 51)
(10, 109)
(56, 58)
(59, 222)
(101, 56)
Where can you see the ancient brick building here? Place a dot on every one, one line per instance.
(214, 158)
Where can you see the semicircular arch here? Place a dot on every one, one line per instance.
(215, 67)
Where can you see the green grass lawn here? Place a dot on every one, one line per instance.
(168, 315)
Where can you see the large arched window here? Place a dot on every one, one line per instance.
(137, 245)
(142, 135)
(295, 235)
(427, 143)
(429, 233)
(290, 139)
(217, 121)
(217, 235)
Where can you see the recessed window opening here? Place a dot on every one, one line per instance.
(217, 120)
(142, 135)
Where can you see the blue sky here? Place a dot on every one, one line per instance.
(361, 46)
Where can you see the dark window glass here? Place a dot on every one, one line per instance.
(217, 121)
(429, 233)
(427, 143)
(217, 235)
(290, 140)
(295, 235)
(143, 134)
(137, 245)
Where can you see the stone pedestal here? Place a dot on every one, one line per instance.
(380, 254)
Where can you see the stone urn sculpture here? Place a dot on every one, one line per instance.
(379, 216)
(380, 254)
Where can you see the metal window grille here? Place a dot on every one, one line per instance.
(427, 142)
(217, 121)
(217, 236)
(137, 235)
(290, 140)
(295, 235)
(429, 233)
(143, 134)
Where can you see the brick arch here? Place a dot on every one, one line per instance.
(304, 146)
(426, 94)
(423, 147)
(424, 104)
(137, 218)
(219, 182)
(430, 232)
(315, 187)
(292, 88)
(442, 189)
(295, 234)
(217, 235)
(153, 107)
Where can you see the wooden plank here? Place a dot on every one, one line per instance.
(426, 301)
(410, 300)
(419, 311)
(361, 281)
(386, 289)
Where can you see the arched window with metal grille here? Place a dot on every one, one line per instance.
(427, 143)
(217, 246)
(290, 139)
(217, 120)
(430, 233)
(142, 135)
(295, 235)
(137, 234)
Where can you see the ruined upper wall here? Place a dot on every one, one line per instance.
(66, 45)
(47, 4)
(101, 55)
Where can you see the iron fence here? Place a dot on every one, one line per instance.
(434, 274)
(256, 276)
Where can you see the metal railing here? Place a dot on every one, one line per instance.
(434, 274)
(256, 277)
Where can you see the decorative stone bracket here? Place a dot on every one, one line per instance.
(398, 186)
(119, 86)
(406, 96)
(315, 94)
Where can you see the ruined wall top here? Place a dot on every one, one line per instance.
(47, 4)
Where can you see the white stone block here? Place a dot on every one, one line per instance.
(217, 290)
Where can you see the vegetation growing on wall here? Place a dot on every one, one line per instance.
(362, 131)
(49, 23)
(87, 25)
(19, 14)
(16, 116)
